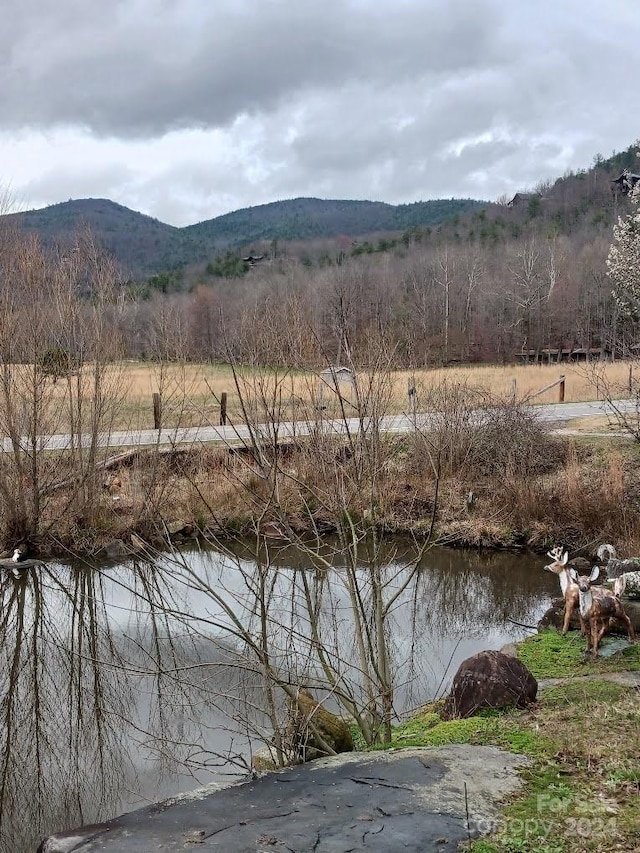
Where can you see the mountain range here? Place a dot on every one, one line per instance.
(144, 245)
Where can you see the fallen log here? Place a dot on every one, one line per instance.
(22, 564)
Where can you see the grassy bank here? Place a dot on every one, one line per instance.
(582, 790)
(499, 480)
(529, 490)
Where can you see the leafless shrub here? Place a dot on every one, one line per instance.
(473, 433)
(68, 302)
(511, 440)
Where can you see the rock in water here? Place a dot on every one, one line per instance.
(311, 726)
(489, 680)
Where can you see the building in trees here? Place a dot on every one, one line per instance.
(625, 182)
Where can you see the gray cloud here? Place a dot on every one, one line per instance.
(145, 68)
(194, 108)
(104, 181)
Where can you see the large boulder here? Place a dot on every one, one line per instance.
(489, 680)
(554, 617)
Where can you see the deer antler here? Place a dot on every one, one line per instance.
(556, 554)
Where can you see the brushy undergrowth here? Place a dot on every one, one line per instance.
(561, 490)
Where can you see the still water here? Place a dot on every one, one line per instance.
(129, 683)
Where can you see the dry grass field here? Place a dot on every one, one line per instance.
(530, 487)
(191, 392)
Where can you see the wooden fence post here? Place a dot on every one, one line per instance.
(561, 389)
(157, 411)
(223, 408)
(411, 393)
(631, 378)
(514, 390)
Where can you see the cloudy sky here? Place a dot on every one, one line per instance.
(186, 109)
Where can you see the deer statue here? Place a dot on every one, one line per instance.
(625, 574)
(568, 587)
(598, 610)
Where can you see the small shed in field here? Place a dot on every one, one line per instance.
(335, 380)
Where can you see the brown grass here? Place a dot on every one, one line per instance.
(191, 392)
(580, 496)
(529, 489)
(599, 776)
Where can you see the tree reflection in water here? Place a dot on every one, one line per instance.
(80, 697)
(62, 756)
(116, 678)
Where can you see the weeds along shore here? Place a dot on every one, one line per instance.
(481, 471)
(513, 486)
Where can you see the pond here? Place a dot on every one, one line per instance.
(129, 683)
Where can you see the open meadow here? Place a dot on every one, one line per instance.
(191, 393)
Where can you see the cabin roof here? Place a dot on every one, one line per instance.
(521, 197)
(626, 181)
(340, 372)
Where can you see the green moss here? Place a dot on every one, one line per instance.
(577, 797)
(471, 730)
(487, 728)
(550, 655)
(572, 692)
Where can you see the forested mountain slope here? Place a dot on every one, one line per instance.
(144, 245)
(489, 283)
(141, 244)
(306, 218)
(525, 279)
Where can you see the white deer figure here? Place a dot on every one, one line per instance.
(568, 588)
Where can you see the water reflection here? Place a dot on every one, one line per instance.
(130, 682)
(62, 751)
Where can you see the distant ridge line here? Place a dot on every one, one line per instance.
(145, 245)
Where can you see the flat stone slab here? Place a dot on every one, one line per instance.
(625, 678)
(409, 800)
